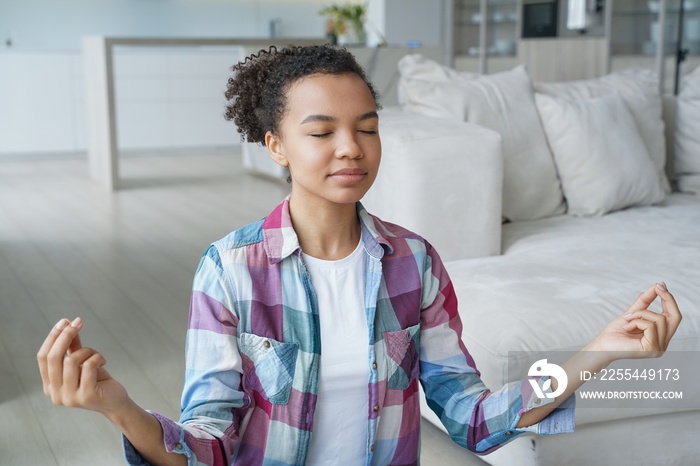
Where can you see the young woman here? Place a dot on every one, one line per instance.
(310, 330)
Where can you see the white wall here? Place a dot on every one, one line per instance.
(39, 102)
(376, 22)
(402, 27)
(408, 22)
(60, 25)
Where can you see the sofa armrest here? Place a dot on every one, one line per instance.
(442, 179)
(257, 161)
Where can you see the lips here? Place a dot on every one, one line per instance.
(349, 172)
(349, 176)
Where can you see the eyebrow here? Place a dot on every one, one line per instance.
(327, 118)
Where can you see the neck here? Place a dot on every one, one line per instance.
(328, 232)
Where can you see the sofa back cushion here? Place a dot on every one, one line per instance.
(638, 89)
(687, 147)
(601, 158)
(503, 102)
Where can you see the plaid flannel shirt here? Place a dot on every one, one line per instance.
(253, 350)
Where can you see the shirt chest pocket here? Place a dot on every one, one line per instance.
(403, 358)
(268, 366)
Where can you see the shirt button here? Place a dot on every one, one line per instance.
(266, 344)
(374, 365)
(537, 401)
(509, 432)
(178, 446)
(376, 408)
(371, 448)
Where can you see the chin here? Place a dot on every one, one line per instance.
(349, 197)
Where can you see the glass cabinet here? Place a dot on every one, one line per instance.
(662, 35)
(485, 33)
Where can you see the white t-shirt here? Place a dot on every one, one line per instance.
(340, 421)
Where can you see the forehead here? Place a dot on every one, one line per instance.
(329, 94)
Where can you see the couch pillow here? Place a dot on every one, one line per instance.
(601, 158)
(687, 141)
(417, 66)
(639, 89)
(503, 102)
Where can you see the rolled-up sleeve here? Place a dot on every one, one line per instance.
(212, 400)
(475, 418)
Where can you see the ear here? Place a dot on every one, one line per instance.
(275, 148)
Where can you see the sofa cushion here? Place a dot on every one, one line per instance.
(601, 159)
(687, 148)
(561, 279)
(639, 90)
(503, 102)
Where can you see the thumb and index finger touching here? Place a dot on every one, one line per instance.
(63, 336)
(62, 339)
(668, 304)
(647, 297)
(76, 344)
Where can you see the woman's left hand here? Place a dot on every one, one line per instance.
(640, 332)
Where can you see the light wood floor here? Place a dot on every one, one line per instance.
(124, 262)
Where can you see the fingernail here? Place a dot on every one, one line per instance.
(61, 324)
(76, 323)
(628, 315)
(662, 286)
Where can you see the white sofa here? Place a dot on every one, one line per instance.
(462, 153)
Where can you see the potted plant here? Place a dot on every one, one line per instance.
(346, 22)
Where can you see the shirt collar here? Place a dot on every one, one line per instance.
(281, 240)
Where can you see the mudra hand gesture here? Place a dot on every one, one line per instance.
(73, 375)
(641, 332)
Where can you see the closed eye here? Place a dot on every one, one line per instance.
(321, 135)
(368, 132)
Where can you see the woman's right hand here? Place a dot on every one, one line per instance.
(74, 376)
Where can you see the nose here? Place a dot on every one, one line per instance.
(349, 146)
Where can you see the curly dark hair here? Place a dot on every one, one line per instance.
(256, 92)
